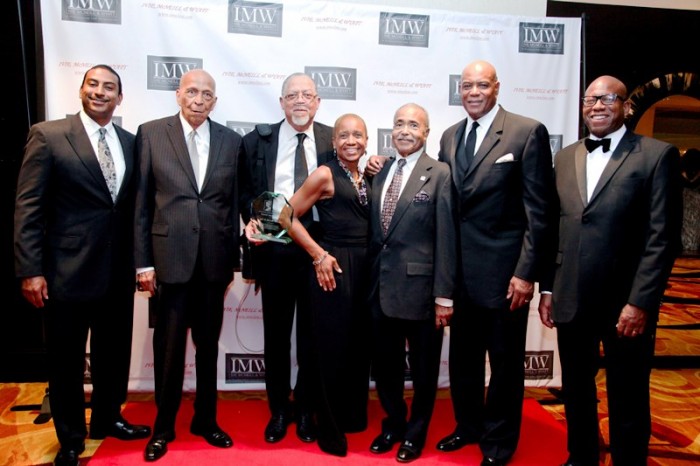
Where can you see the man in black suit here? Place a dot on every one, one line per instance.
(268, 163)
(619, 209)
(413, 259)
(502, 168)
(187, 239)
(73, 243)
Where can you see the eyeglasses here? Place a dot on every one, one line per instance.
(607, 99)
(206, 95)
(305, 96)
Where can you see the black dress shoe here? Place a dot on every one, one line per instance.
(408, 451)
(306, 428)
(121, 429)
(68, 456)
(215, 436)
(333, 446)
(491, 461)
(155, 449)
(384, 442)
(453, 442)
(277, 427)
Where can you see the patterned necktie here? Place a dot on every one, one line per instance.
(301, 171)
(470, 145)
(104, 156)
(194, 154)
(392, 195)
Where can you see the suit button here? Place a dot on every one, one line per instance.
(384, 246)
(200, 200)
(195, 229)
(584, 220)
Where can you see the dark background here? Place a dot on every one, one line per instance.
(633, 44)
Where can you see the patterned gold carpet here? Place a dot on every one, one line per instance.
(675, 391)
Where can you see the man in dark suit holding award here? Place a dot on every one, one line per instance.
(73, 244)
(619, 210)
(502, 168)
(187, 244)
(278, 158)
(413, 259)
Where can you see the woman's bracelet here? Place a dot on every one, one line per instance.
(320, 259)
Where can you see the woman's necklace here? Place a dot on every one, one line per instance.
(360, 184)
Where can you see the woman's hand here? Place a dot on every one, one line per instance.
(325, 266)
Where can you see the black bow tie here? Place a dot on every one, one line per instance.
(592, 144)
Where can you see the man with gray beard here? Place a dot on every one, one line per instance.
(278, 158)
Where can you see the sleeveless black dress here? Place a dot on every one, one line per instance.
(340, 318)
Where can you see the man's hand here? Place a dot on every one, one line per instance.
(631, 322)
(443, 315)
(35, 290)
(545, 309)
(520, 292)
(375, 164)
(146, 281)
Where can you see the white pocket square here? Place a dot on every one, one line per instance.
(505, 158)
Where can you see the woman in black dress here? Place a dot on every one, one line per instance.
(340, 317)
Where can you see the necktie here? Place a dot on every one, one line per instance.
(104, 156)
(194, 154)
(592, 144)
(301, 171)
(392, 195)
(470, 145)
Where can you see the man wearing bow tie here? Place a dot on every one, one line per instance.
(619, 203)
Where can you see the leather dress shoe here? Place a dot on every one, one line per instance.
(333, 446)
(277, 427)
(491, 461)
(454, 442)
(306, 428)
(68, 456)
(155, 449)
(408, 451)
(215, 437)
(384, 442)
(122, 429)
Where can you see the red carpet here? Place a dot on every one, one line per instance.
(542, 442)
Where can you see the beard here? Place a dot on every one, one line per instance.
(301, 120)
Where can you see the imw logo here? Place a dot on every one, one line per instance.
(172, 70)
(254, 15)
(102, 5)
(248, 365)
(413, 27)
(332, 79)
(542, 35)
(538, 365)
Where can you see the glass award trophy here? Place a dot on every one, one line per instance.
(274, 217)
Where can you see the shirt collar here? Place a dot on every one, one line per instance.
(92, 127)
(202, 131)
(287, 132)
(486, 120)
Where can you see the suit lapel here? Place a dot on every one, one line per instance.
(618, 157)
(177, 139)
(580, 157)
(270, 146)
(458, 150)
(322, 139)
(128, 151)
(216, 140)
(419, 177)
(490, 140)
(79, 140)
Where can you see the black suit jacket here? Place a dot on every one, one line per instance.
(175, 222)
(504, 206)
(258, 160)
(619, 247)
(66, 226)
(417, 259)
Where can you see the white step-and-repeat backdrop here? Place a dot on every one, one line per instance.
(365, 59)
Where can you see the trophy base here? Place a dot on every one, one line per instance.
(273, 238)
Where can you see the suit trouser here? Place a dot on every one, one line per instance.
(388, 368)
(197, 304)
(284, 280)
(628, 368)
(494, 421)
(109, 320)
